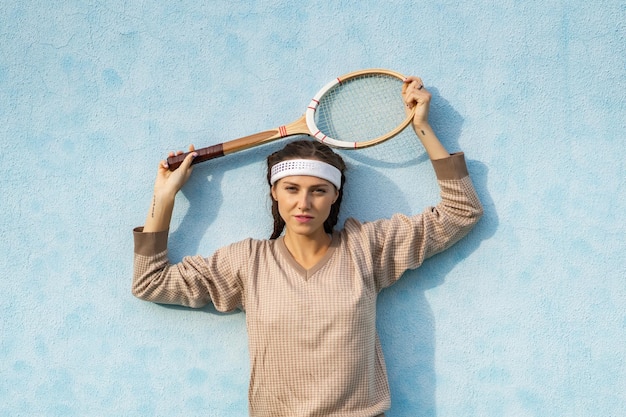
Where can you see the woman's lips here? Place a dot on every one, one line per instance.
(303, 219)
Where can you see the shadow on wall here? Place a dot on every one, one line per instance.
(406, 322)
(200, 188)
(203, 192)
(405, 319)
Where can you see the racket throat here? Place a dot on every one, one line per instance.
(297, 127)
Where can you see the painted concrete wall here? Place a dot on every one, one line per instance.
(525, 317)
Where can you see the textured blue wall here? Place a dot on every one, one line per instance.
(525, 317)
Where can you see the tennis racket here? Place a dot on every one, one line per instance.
(357, 110)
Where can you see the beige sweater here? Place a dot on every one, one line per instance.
(313, 345)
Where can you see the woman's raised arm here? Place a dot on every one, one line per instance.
(166, 186)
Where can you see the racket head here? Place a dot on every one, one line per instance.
(359, 109)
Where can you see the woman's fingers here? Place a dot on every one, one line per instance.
(192, 155)
(186, 164)
(416, 98)
(412, 90)
(412, 82)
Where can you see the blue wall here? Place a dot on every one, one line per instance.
(525, 317)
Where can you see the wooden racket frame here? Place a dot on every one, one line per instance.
(305, 125)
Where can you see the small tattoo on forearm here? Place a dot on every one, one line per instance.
(153, 205)
(423, 133)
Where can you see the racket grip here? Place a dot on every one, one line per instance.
(204, 154)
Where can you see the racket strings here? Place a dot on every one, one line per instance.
(404, 150)
(362, 108)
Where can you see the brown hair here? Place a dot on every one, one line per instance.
(306, 149)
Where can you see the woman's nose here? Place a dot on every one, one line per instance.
(304, 201)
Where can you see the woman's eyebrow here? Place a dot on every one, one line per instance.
(321, 184)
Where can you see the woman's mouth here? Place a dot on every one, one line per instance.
(303, 219)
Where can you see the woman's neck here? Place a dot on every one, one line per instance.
(307, 250)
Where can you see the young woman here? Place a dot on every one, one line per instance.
(309, 292)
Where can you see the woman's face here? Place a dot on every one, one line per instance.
(304, 203)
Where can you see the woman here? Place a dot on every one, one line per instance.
(309, 292)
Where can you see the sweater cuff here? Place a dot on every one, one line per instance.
(148, 244)
(451, 168)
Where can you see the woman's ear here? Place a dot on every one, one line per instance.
(273, 190)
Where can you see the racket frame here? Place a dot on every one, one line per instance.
(320, 136)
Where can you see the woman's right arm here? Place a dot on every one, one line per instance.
(166, 186)
(152, 273)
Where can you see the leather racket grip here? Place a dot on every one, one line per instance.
(204, 154)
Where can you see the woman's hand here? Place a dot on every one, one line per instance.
(166, 185)
(416, 96)
(170, 182)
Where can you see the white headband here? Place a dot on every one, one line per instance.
(309, 167)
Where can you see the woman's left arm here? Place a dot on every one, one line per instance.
(404, 241)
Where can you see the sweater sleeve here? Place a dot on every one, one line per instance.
(404, 242)
(193, 282)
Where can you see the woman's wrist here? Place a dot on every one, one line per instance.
(422, 128)
(160, 212)
(430, 141)
(164, 195)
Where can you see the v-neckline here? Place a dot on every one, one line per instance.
(304, 272)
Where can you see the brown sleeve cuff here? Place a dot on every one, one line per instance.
(451, 168)
(149, 243)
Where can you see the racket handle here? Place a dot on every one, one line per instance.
(204, 154)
